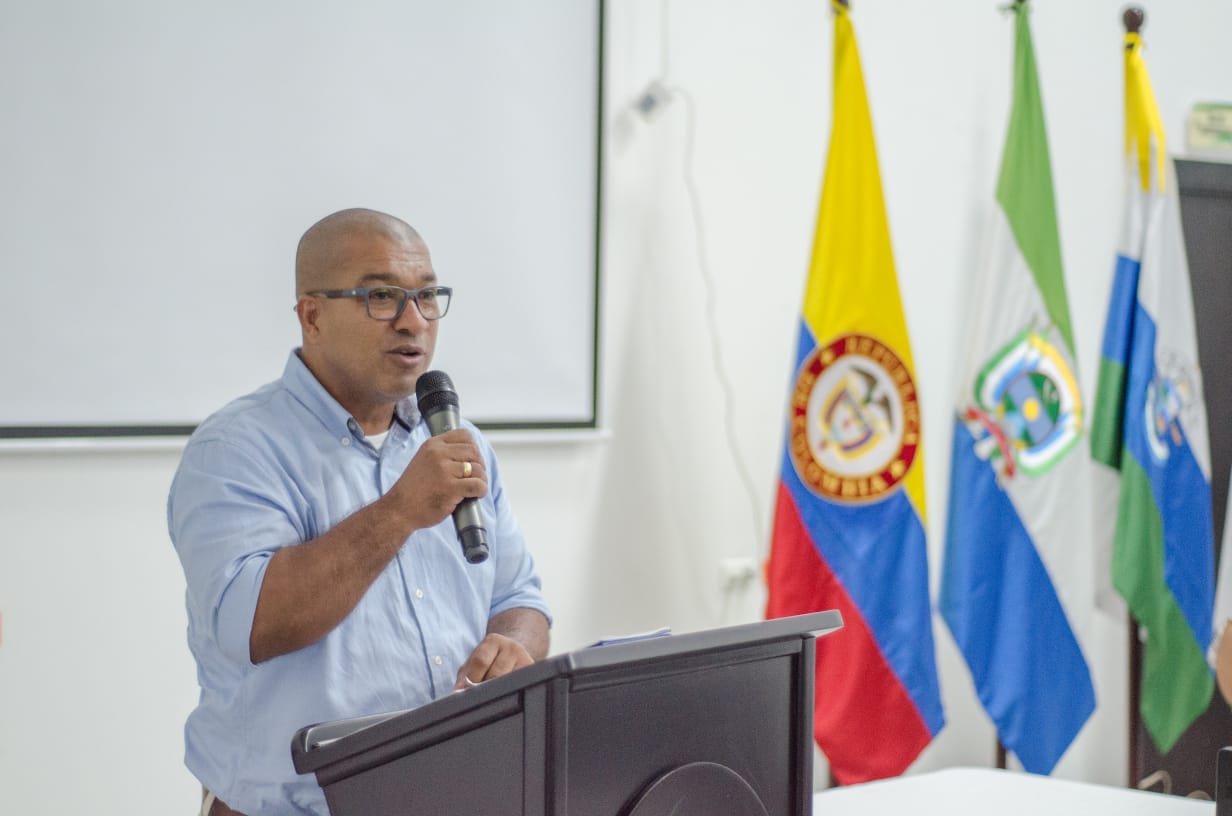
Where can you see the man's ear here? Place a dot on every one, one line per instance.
(309, 311)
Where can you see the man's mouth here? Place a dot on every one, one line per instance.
(407, 353)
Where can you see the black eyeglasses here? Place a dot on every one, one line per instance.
(388, 302)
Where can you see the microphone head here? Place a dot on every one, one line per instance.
(434, 391)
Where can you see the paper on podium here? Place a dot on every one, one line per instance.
(662, 631)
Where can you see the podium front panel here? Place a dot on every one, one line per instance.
(735, 710)
(433, 780)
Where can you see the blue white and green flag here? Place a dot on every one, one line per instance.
(1150, 429)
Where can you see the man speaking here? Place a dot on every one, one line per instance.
(312, 519)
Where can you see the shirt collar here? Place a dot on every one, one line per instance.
(305, 387)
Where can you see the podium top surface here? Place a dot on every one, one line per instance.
(315, 746)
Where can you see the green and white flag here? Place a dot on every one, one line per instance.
(1011, 591)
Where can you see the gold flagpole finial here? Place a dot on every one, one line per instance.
(1144, 131)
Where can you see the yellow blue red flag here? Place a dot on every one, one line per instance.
(850, 519)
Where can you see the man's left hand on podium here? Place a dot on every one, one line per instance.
(516, 638)
(495, 655)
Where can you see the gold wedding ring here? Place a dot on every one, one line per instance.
(466, 470)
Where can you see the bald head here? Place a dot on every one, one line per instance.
(327, 243)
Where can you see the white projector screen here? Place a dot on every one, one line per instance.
(159, 161)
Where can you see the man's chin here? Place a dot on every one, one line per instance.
(399, 388)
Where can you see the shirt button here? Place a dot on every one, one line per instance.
(437, 660)
(346, 440)
(419, 593)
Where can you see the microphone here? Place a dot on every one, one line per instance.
(438, 403)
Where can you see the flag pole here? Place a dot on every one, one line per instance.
(1002, 755)
(833, 781)
(1134, 18)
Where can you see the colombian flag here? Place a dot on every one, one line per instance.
(849, 521)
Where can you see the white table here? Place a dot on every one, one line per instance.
(990, 792)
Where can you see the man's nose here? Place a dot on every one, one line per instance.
(410, 319)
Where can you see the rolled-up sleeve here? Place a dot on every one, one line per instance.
(516, 583)
(226, 520)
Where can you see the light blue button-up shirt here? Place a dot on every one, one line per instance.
(280, 467)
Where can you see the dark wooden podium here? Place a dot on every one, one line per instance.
(714, 723)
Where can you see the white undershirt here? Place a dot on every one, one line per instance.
(377, 440)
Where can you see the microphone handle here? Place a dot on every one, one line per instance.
(466, 518)
(471, 533)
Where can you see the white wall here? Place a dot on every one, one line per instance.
(629, 528)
